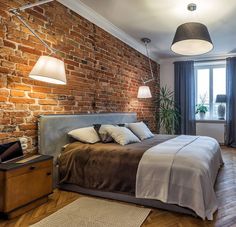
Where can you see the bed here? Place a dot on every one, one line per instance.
(160, 172)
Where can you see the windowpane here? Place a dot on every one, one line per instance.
(203, 94)
(210, 82)
(219, 86)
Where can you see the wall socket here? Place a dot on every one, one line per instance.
(23, 141)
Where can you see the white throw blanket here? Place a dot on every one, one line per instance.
(181, 171)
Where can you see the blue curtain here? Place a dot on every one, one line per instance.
(231, 102)
(185, 97)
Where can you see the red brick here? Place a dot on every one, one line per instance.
(9, 44)
(27, 126)
(22, 67)
(4, 70)
(15, 93)
(20, 106)
(4, 92)
(42, 89)
(29, 50)
(21, 87)
(3, 99)
(37, 95)
(34, 107)
(22, 100)
(47, 102)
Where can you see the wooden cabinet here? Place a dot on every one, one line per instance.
(24, 186)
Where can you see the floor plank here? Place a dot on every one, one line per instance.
(224, 217)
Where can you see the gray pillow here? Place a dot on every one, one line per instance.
(122, 135)
(140, 130)
(102, 133)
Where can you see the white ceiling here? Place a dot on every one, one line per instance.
(158, 20)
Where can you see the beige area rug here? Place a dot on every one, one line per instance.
(90, 212)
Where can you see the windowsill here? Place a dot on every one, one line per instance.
(210, 121)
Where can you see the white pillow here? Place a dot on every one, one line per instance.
(140, 130)
(122, 135)
(86, 135)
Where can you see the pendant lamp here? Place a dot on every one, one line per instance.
(192, 38)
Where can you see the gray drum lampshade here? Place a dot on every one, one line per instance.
(192, 39)
(221, 99)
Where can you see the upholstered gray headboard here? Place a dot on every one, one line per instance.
(53, 129)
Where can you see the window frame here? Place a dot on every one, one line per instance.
(209, 66)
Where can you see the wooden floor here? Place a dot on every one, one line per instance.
(224, 217)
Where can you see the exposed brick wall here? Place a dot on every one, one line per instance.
(99, 68)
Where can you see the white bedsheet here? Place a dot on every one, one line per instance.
(181, 171)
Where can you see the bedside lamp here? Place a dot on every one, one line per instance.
(221, 108)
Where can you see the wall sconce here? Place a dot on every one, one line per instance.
(47, 69)
(50, 70)
(144, 90)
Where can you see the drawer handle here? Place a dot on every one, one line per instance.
(32, 167)
(49, 174)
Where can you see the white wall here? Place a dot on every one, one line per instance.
(215, 130)
(167, 74)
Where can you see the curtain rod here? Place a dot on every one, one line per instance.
(200, 61)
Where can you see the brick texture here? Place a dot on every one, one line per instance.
(100, 69)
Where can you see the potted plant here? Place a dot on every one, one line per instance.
(201, 108)
(167, 113)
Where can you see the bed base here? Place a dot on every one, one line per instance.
(127, 198)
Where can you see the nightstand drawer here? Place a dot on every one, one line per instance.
(32, 183)
(29, 168)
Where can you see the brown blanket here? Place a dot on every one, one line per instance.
(108, 167)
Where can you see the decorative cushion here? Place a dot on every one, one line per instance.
(85, 135)
(140, 130)
(122, 135)
(102, 132)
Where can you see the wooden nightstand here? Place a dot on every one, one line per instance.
(24, 186)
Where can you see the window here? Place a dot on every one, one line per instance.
(210, 82)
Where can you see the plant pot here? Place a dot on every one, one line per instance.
(202, 115)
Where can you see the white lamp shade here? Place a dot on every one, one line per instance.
(192, 47)
(49, 69)
(144, 92)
